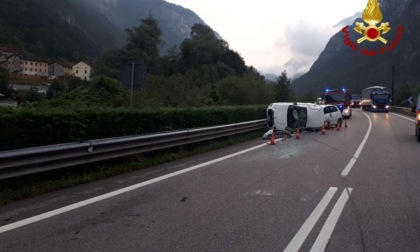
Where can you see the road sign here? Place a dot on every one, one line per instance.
(410, 99)
(133, 73)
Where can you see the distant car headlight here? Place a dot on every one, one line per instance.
(387, 106)
(373, 106)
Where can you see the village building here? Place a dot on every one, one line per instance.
(6, 51)
(33, 65)
(62, 69)
(82, 70)
(12, 63)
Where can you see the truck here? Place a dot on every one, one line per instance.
(355, 101)
(375, 98)
(341, 98)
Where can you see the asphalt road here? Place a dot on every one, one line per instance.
(357, 189)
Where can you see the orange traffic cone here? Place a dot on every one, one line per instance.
(345, 124)
(338, 127)
(297, 134)
(323, 130)
(273, 138)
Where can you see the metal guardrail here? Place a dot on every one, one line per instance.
(33, 160)
(402, 110)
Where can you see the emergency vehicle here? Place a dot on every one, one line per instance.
(339, 97)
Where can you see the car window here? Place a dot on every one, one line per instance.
(333, 109)
(326, 110)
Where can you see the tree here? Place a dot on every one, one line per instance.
(144, 42)
(207, 55)
(246, 90)
(55, 89)
(110, 64)
(283, 90)
(169, 64)
(308, 97)
(235, 61)
(4, 82)
(202, 32)
(109, 92)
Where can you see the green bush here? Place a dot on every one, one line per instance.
(30, 127)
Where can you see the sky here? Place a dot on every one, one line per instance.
(270, 33)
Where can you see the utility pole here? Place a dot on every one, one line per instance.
(132, 84)
(392, 87)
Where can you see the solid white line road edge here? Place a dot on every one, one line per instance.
(325, 235)
(353, 160)
(306, 228)
(115, 193)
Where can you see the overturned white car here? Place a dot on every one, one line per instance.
(287, 116)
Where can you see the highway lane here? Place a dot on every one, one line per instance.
(256, 201)
(387, 189)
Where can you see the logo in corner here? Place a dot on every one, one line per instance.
(372, 15)
(372, 32)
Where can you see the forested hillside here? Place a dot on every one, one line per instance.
(80, 29)
(175, 21)
(56, 29)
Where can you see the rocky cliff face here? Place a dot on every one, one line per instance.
(175, 21)
(76, 29)
(341, 66)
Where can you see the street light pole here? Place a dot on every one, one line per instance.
(392, 87)
(132, 84)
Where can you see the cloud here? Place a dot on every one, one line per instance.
(305, 42)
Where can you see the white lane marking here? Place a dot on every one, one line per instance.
(404, 117)
(306, 228)
(326, 231)
(353, 160)
(115, 193)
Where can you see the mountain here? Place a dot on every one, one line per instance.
(340, 66)
(56, 28)
(348, 21)
(73, 29)
(271, 77)
(175, 21)
(296, 67)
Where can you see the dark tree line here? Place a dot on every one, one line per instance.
(201, 71)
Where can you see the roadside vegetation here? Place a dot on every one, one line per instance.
(200, 83)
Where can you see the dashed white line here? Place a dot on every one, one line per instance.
(329, 225)
(115, 193)
(353, 160)
(306, 228)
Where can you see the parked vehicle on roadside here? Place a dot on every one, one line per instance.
(417, 122)
(332, 116)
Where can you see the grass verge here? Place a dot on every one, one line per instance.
(19, 188)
